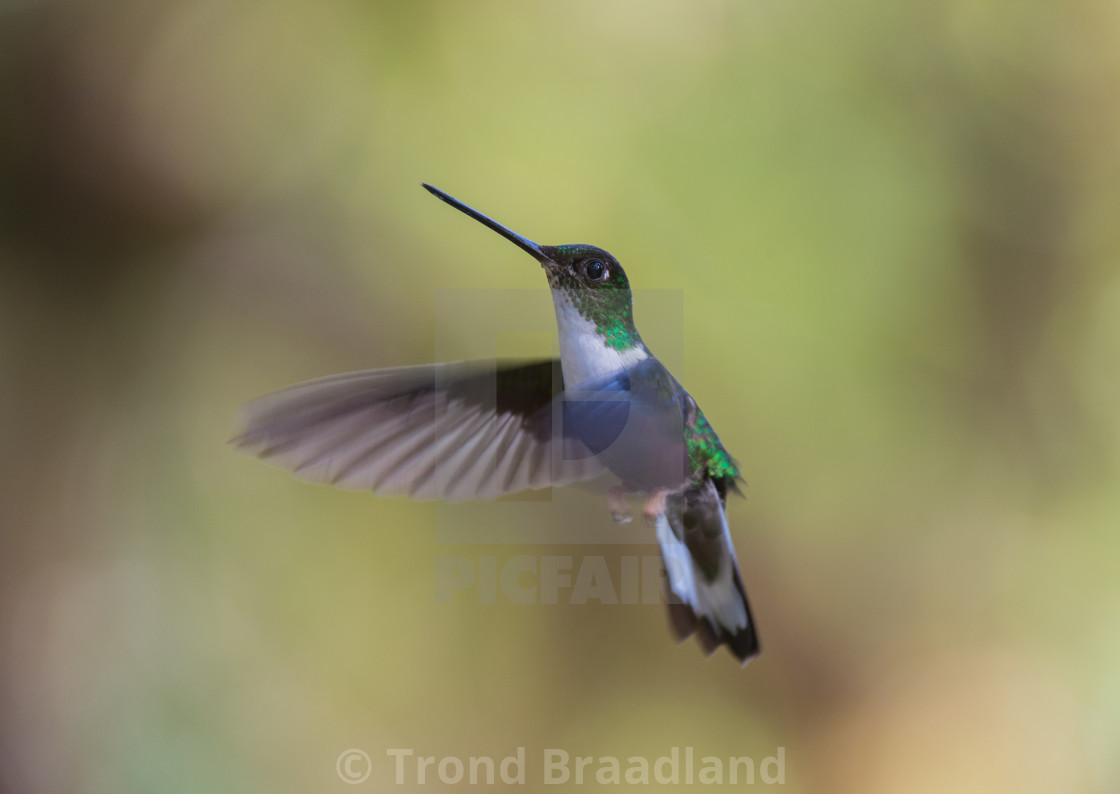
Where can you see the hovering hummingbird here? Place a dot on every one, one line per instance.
(480, 430)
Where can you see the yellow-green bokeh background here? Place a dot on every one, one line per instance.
(894, 230)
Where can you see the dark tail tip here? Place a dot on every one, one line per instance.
(684, 622)
(743, 643)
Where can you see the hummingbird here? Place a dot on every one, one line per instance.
(484, 429)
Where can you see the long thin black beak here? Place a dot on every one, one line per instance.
(522, 242)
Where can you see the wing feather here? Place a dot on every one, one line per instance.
(467, 430)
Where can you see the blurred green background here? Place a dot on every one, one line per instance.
(893, 228)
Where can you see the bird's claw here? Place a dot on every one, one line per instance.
(655, 505)
(616, 501)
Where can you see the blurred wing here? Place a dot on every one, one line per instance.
(467, 430)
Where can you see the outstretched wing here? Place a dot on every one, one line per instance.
(466, 430)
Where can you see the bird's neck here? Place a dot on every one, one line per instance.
(591, 347)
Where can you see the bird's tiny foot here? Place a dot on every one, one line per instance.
(616, 501)
(655, 505)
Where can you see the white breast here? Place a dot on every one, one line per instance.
(583, 352)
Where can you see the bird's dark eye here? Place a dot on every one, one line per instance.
(595, 270)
